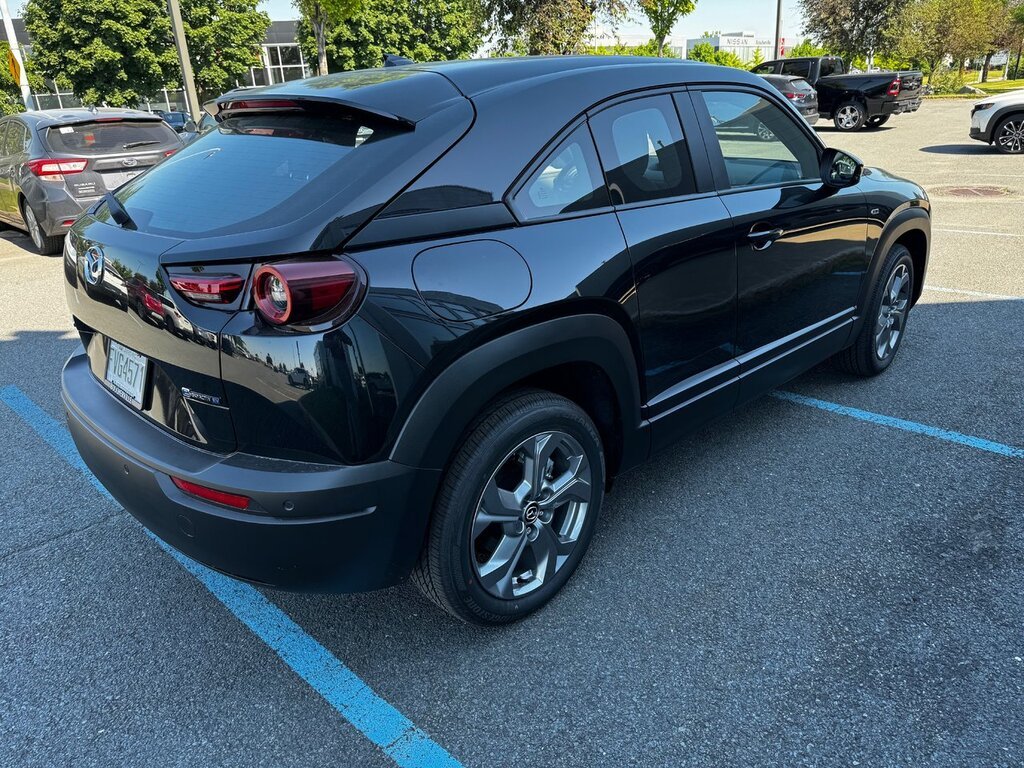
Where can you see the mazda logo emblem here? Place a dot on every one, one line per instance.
(130, 162)
(93, 265)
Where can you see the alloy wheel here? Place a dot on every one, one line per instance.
(33, 227)
(849, 117)
(530, 515)
(892, 314)
(1011, 137)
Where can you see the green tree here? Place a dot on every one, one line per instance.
(757, 59)
(806, 48)
(10, 91)
(321, 16)
(538, 27)
(114, 52)
(422, 30)
(224, 38)
(650, 48)
(706, 52)
(852, 28)
(931, 30)
(663, 15)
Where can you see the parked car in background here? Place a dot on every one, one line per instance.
(799, 92)
(181, 122)
(852, 101)
(55, 163)
(444, 304)
(999, 121)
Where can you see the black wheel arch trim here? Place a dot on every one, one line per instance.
(996, 120)
(905, 219)
(455, 398)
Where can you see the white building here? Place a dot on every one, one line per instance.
(743, 44)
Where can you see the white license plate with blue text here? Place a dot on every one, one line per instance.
(126, 373)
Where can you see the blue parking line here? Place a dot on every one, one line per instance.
(970, 441)
(381, 723)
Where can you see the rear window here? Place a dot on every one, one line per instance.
(258, 171)
(105, 138)
(801, 86)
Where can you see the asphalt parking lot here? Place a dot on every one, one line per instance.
(830, 579)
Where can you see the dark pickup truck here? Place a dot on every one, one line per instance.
(853, 101)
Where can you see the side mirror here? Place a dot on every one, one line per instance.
(190, 126)
(839, 169)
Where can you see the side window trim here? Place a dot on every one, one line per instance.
(721, 176)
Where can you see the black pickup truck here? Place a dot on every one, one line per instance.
(853, 101)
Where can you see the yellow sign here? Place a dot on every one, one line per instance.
(12, 64)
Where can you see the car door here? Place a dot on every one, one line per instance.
(6, 172)
(679, 237)
(801, 245)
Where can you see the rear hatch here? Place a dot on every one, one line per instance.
(268, 183)
(100, 155)
(910, 86)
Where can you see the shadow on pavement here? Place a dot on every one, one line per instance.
(977, 148)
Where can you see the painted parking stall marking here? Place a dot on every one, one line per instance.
(397, 736)
(970, 441)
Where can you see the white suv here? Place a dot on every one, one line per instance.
(999, 120)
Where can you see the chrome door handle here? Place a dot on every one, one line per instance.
(763, 238)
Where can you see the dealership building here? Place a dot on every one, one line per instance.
(743, 44)
(281, 60)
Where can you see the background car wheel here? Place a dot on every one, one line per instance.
(1009, 135)
(850, 116)
(885, 322)
(516, 511)
(45, 244)
(878, 121)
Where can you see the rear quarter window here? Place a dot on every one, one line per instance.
(105, 138)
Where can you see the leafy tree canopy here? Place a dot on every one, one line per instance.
(706, 52)
(321, 16)
(115, 52)
(806, 48)
(422, 30)
(650, 48)
(547, 26)
(852, 28)
(663, 15)
(224, 38)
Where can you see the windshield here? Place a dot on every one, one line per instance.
(258, 171)
(109, 136)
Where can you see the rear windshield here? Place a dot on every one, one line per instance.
(109, 137)
(801, 86)
(259, 171)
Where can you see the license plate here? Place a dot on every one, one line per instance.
(126, 373)
(115, 180)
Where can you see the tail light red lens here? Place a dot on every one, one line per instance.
(152, 303)
(49, 169)
(208, 289)
(305, 292)
(894, 88)
(212, 494)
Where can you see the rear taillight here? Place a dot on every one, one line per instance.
(212, 494)
(306, 292)
(894, 87)
(208, 289)
(49, 169)
(794, 96)
(169, 152)
(153, 304)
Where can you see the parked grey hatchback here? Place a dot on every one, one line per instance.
(54, 164)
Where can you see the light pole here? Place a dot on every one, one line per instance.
(778, 30)
(188, 81)
(18, 61)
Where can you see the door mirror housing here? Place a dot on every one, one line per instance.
(840, 169)
(190, 127)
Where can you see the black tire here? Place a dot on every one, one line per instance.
(45, 244)
(878, 121)
(850, 116)
(449, 570)
(1008, 136)
(862, 358)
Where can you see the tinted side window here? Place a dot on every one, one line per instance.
(764, 69)
(569, 180)
(801, 68)
(643, 150)
(760, 143)
(16, 139)
(5, 127)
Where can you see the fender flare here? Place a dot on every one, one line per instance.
(451, 402)
(902, 221)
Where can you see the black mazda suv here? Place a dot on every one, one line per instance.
(413, 321)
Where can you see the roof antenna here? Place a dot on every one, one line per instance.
(394, 60)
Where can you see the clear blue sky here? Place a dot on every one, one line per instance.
(756, 16)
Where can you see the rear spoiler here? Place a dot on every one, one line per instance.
(284, 102)
(142, 117)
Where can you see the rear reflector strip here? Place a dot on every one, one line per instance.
(212, 494)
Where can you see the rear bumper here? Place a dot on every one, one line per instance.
(900, 107)
(811, 117)
(310, 527)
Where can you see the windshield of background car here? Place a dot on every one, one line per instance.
(107, 137)
(260, 170)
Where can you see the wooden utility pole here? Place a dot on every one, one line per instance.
(187, 79)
